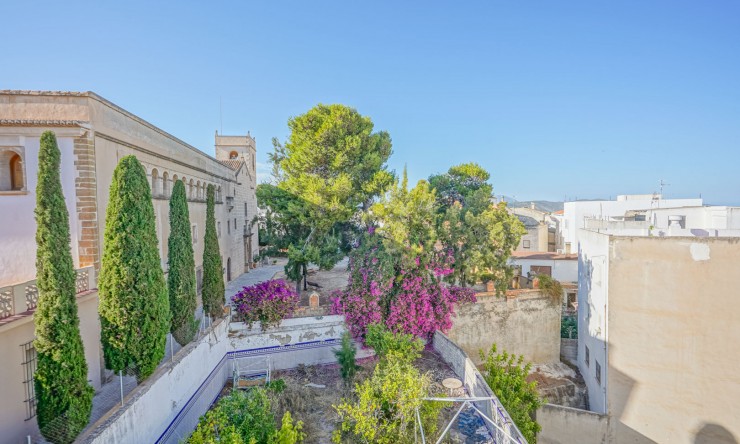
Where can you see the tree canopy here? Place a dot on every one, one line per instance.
(134, 307)
(479, 233)
(332, 167)
(63, 396)
(181, 276)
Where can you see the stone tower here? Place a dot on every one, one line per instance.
(241, 148)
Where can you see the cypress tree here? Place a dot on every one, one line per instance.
(134, 308)
(181, 277)
(213, 277)
(64, 398)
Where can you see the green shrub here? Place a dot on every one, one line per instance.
(276, 386)
(181, 276)
(64, 398)
(214, 428)
(134, 308)
(213, 277)
(385, 342)
(569, 327)
(289, 433)
(551, 287)
(346, 358)
(385, 409)
(507, 376)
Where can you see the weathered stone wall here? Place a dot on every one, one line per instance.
(566, 425)
(526, 322)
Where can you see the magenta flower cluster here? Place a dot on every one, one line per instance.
(268, 302)
(409, 299)
(423, 305)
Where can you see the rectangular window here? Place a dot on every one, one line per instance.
(228, 227)
(526, 243)
(218, 225)
(195, 233)
(29, 368)
(588, 357)
(598, 372)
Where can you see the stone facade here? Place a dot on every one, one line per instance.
(93, 134)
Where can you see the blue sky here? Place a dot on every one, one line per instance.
(579, 99)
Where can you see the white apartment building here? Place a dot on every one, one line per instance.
(657, 329)
(576, 213)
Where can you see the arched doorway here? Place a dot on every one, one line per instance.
(228, 270)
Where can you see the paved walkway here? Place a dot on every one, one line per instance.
(255, 276)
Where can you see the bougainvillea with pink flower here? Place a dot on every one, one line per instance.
(268, 302)
(407, 296)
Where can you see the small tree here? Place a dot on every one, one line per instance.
(181, 276)
(289, 432)
(64, 398)
(213, 277)
(386, 405)
(346, 358)
(134, 308)
(507, 376)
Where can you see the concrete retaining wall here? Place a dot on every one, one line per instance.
(166, 408)
(569, 351)
(476, 386)
(527, 323)
(566, 425)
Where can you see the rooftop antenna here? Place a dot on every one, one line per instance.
(662, 184)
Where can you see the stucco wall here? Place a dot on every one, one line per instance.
(18, 227)
(593, 263)
(672, 352)
(13, 423)
(566, 425)
(527, 324)
(564, 270)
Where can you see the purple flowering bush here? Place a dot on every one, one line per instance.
(268, 302)
(407, 296)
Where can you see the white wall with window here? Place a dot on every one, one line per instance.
(18, 170)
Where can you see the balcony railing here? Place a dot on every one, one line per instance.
(23, 297)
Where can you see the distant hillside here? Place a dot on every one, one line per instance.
(542, 205)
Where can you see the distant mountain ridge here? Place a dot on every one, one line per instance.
(542, 205)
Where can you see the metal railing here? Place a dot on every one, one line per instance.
(23, 297)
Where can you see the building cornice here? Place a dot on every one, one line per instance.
(167, 158)
(41, 122)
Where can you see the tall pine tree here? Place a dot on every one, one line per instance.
(213, 277)
(134, 308)
(181, 276)
(64, 398)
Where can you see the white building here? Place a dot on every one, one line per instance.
(576, 213)
(657, 331)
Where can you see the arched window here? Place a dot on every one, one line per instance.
(16, 172)
(166, 184)
(11, 171)
(190, 190)
(155, 182)
(218, 194)
(233, 155)
(197, 191)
